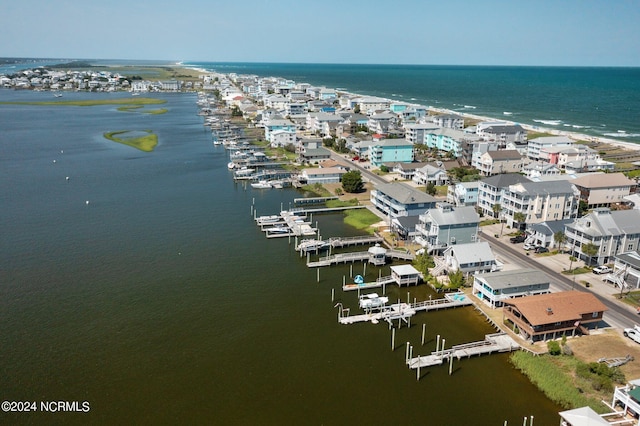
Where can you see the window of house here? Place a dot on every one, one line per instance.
(595, 315)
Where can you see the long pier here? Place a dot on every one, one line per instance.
(356, 256)
(380, 282)
(337, 242)
(404, 311)
(492, 343)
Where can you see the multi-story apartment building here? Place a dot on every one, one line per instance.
(540, 202)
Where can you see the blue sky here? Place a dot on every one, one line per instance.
(489, 32)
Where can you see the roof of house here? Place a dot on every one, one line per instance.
(603, 180)
(445, 214)
(604, 222)
(551, 140)
(404, 270)
(404, 193)
(504, 155)
(543, 188)
(551, 227)
(504, 128)
(471, 252)
(514, 278)
(504, 180)
(324, 171)
(556, 307)
(393, 142)
(407, 166)
(631, 258)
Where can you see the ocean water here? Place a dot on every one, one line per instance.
(160, 301)
(603, 102)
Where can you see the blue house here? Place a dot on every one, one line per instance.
(390, 151)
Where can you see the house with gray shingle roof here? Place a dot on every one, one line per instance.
(613, 232)
(502, 161)
(495, 287)
(446, 225)
(604, 189)
(492, 189)
(470, 258)
(399, 199)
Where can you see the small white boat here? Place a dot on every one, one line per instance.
(244, 171)
(372, 301)
(312, 245)
(262, 220)
(263, 184)
(217, 142)
(231, 165)
(278, 230)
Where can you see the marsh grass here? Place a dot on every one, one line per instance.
(131, 102)
(361, 219)
(145, 142)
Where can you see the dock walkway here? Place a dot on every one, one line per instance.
(492, 343)
(335, 259)
(337, 242)
(380, 282)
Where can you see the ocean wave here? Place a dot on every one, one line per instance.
(507, 113)
(622, 134)
(549, 122)
(469, 107)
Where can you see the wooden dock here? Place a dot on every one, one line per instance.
(356, 256)
(404, 311)
(337, 242)
(313, 200)
(380, 282)
(492, 343)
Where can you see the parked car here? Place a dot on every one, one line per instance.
(601, 270)
(518, 239)
(541, 249)
(528, 246)
(632, 333)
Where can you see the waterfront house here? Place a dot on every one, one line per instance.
(604, 189)
(405, 275)
(494, 288)
(470, 258)
(502, 132)
(399, 199)
(535, 146)
(369, 105)
(449, 121)
(444, 225)
(448, 140)
(463, 193)
(552, 315)
(612, 232)
(405, 227)
(278, 124)
(280, 138)
(390, 151)
(321, 175)
(430, 174)
(322, 123)
(492, 189)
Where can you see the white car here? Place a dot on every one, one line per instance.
(528, 246)
(601, 270)
(632, 333)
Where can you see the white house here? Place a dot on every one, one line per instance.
(494, 287)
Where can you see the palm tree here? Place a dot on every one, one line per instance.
(519, 218)
(590, 250)
(559, 238)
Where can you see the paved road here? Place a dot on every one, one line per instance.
(366, 174)
(619, 315)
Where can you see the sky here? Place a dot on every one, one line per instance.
(451, 32)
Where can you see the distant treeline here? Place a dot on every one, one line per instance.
(72, 64)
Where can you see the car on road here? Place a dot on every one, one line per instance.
(601, 270)
(541, 249)
(528, 246)
(518, 239)
(632, 333)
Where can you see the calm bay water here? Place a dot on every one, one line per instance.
(161, 302)
(601, 102)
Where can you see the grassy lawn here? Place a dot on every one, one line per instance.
(146, 141)
(441, 190)
(361, 219)
(342, 203)
(317, 189)
(576, 271)
(489, 222)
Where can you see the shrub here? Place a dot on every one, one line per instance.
(554, 348)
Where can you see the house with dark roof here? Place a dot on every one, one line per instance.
(399, 199)
(549, 316)
(539, 202)
(492, 189)
(542, 234)
(494, 288)
(501, 132)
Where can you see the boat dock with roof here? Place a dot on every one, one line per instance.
(377, 255)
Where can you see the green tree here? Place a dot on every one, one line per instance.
(422, 263)
(590, 250)
(497, 208)
(357, 109)
(352, 182)
(456, 279)
(559, 238)
(431, 188)
(582, 208)
(519, 218)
